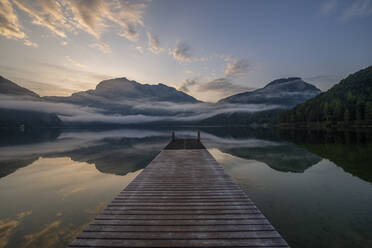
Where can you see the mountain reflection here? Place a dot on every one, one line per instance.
(121, 151)
(350, 150)
(111, 151)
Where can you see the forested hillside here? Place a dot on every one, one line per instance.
(348, 102)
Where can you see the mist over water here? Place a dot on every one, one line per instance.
(314, 186)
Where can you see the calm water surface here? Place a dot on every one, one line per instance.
(315, 187)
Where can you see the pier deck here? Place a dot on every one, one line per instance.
(183, 198)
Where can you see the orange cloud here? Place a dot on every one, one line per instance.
(9, 25)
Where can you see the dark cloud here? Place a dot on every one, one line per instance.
(187, 84)
(154, 43)
(181, 52)
(237, 68)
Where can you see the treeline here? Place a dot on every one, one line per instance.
(348, 102)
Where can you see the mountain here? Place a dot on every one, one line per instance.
(7, 87)
(16, 118)
(348, 102)
(116, 98)
(285, 92)
(122, 89)
(27, 119)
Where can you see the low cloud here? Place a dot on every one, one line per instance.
(170, 111)
(181, 52)
(70, 141)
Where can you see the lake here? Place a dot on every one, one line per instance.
(314, 186)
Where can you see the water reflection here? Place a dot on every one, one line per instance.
(47, 203)
(111, 151)
(53, 182)
(127, 150)
(350, 150)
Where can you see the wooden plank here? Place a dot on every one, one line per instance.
(179, 192)
(255, 215)
(179, 242)
(180, 208)
(183, 198)
(180, 222)
(236, 203)
(176, 197)
(180, 235)
(191, 228)
(178, 212)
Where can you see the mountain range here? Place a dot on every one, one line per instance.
(286, 92)
(121, 97)
(7, 87)
(122, 89)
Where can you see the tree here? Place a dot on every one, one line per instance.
(347, 115)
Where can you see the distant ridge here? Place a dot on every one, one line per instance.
(123, 89)
(286, 92)
(15, 118)
(7, 87)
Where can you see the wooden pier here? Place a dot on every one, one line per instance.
(183, 198)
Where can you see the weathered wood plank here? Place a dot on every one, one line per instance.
(180, 235)
(179, 242)
(181, 222)
(255, 215)
(178, 212)
(179, 209)
(239, 203)
(206, 228)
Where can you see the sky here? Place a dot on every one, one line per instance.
(208, 49)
